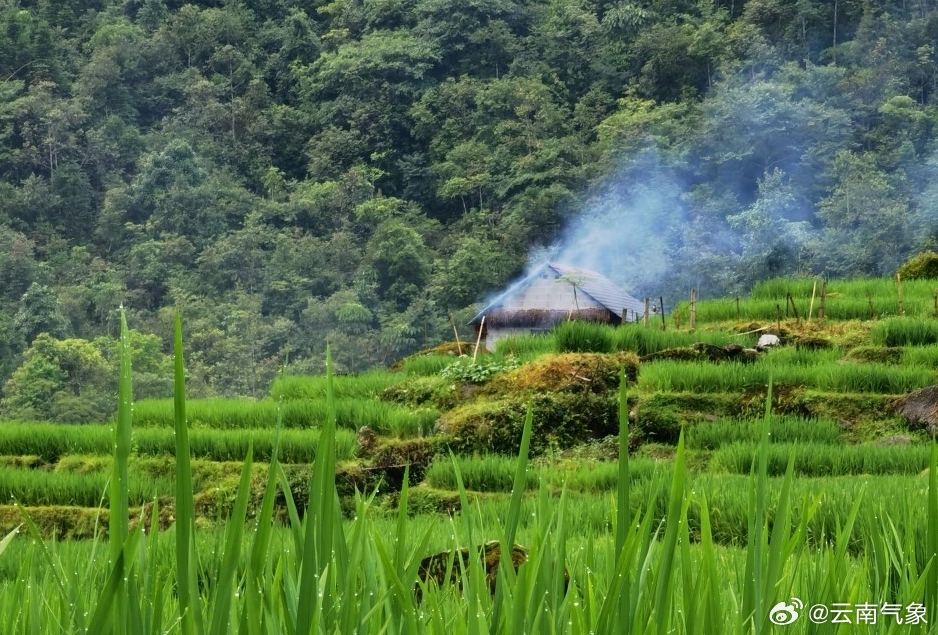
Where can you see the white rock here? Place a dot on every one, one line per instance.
(768, 340)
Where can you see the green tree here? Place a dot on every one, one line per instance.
(39, 312)
(59, 380)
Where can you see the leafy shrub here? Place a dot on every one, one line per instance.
(477, 372)
(920, 266)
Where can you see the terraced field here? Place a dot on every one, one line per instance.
(751, 477)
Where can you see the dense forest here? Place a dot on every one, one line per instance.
(292, 174)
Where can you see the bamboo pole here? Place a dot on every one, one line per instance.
(478, 339)
(811, 306)
(664, 325)
(456, 333)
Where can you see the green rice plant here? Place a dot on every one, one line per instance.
(40, 487)
(797, 356)
(645, 341)
(496, 473)
(784, 429)
(426, 365)
(905, 331)
(667, 375)
(926, 356)
(367, 385)
(223, 414)
(51, 442)
(779, 288)
(295, 446)
(816, 459)
(525, 346)
(577, 336)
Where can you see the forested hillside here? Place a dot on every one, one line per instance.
(292, 174)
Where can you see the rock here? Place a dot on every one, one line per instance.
(920, 409)
(767, 340)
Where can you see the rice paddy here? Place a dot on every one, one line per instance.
(283, 515)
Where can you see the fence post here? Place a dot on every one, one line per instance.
(647, 316)
(899, 291)
(693, 309)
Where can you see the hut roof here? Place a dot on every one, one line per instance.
(593, 284)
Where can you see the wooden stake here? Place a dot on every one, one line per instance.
(794, 309)
(456, 333)
(811, 306)
(664, 325)
(693, 309)
(647, 316)
(737, 307)
(899, 290)
(935, 295)
(778, 311)
(869, 298)
(478, 339)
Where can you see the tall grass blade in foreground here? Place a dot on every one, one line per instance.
(506, 573)
(623, 494)
(186, 588)
(323, 530)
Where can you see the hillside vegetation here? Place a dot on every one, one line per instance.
(291, 174)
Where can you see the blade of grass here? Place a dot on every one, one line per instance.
(664, 588)
(187, 590)
(221, 606)
(506, 569)
(101, 620)
(119, 516)
(9, 538)
(931, 597)
(320, 518)
(623, 494)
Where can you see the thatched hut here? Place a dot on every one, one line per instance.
(553, 293)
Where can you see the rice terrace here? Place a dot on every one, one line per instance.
(650, 478)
